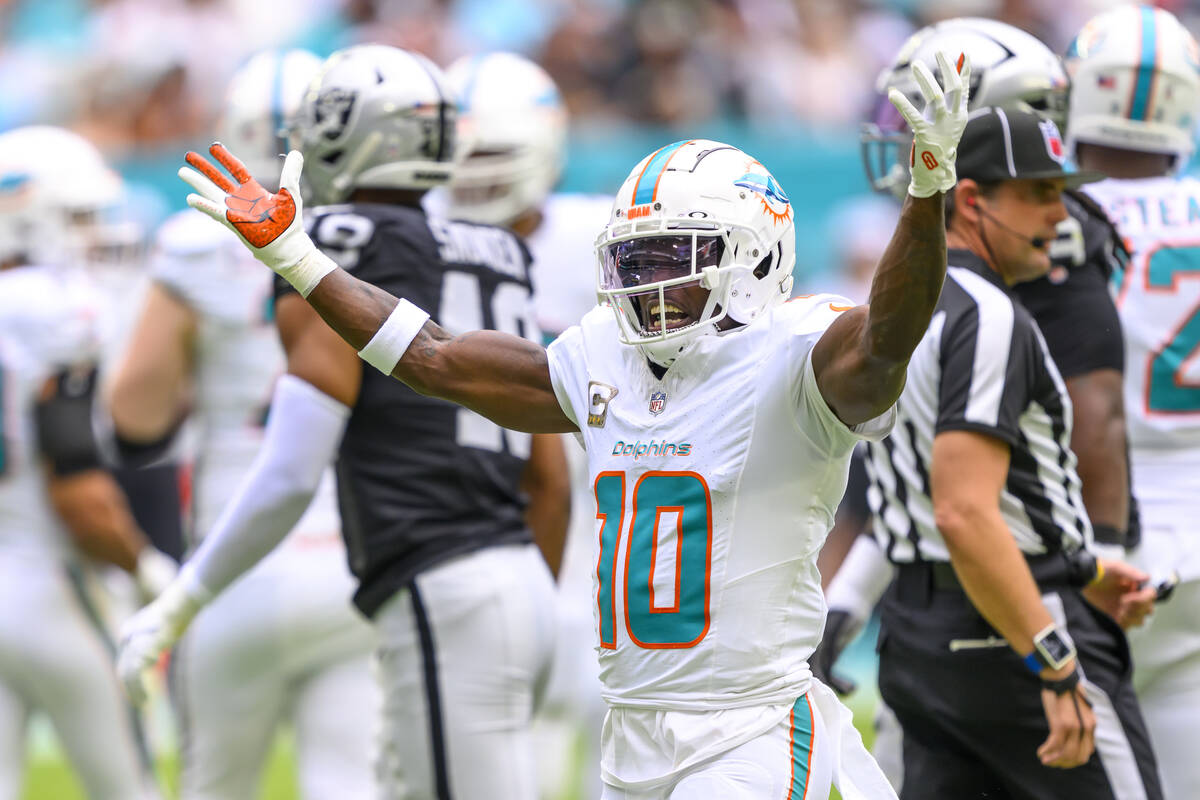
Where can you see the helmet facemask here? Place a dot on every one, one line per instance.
(885, 142)
(651, 273)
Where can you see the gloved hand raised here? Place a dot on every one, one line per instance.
(268, 223)
(938, 126)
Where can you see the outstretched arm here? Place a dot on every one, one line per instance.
(502, 377)
(861, 360)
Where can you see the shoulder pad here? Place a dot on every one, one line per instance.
(813, 312)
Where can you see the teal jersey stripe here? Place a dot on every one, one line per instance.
(648, 180)
(802, 747)
(1145, 72)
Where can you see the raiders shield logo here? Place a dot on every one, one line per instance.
(332, 110)
(657, 401)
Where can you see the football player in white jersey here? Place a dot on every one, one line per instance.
(514, 126)
(718, 421)
(1134, 98)
(206, 348)
(59, 509)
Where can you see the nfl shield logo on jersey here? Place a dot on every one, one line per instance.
(657, 401)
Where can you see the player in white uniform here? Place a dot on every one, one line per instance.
(718, 422)
(514, 127)
(1135, 92)
(59, 509)
(284, 643)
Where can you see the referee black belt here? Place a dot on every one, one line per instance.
(915, 582)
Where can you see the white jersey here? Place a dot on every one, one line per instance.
(238, 357)
(564, 261)
(1159, 302)
(50, 320)
(715, 488)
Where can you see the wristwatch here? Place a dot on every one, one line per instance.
(1052, 649)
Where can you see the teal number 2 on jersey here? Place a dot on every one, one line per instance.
(1166, 391)
(674, 501)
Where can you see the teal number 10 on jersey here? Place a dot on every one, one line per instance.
(660, 613)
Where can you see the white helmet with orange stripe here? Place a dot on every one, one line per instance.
(701, 239)
(1135, 83)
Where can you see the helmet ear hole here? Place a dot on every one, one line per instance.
(764, 266)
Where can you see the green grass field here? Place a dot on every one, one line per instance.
(50, 778)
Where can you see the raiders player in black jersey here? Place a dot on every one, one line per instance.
(439, 506)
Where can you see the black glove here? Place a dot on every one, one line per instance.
(841, 627)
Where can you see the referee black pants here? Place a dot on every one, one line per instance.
(972, 712)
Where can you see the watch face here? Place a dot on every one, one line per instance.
(1055, 648)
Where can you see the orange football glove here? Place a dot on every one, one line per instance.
(269, 223)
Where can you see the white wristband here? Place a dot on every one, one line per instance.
(393, 337)
(306, 273)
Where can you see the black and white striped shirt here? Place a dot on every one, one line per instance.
(982, 366)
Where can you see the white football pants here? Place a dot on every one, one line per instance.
(283, 644)
(54, 656)
(791, 760)
(461, 658)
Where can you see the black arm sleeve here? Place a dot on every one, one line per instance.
(64, 422)
(154, 501)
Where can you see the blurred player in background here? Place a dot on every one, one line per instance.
(433, 498)
(513, 129)
(1135, 95)
(709, 692)
(59, 509)
(1071, 305)
(284, 643)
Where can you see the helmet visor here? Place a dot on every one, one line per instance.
(651, 260)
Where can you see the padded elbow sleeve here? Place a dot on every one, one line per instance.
(63, 415)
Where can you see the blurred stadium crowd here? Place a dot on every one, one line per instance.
(144, 79)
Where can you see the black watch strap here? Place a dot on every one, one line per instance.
(1063, 685)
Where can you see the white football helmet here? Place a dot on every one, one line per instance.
(1135, 83)
(58, 198)
(1008, 66)
(694, 213)
(513, 131)
(376, 117)
(260, 103)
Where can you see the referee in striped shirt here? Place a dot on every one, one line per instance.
(1007, 683)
